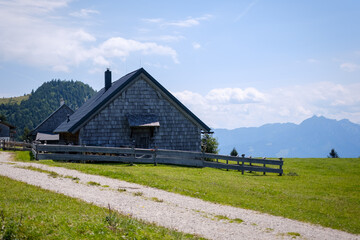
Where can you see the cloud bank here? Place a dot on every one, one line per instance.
(30, 34)
(234, 107)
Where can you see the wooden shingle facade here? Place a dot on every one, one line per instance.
(135, 110)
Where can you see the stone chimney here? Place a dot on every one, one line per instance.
(107, 79)
(62, 102)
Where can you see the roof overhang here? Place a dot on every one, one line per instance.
(143, 120)
(47, 137)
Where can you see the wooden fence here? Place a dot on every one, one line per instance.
(155, 156)
(15, 146)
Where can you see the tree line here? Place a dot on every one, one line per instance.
(44, 101)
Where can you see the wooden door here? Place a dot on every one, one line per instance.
(141, 136)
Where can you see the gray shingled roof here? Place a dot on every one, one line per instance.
(102, 97)
(69, 110)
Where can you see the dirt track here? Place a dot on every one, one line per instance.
(170, 210)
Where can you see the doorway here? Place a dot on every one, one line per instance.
(141, 136)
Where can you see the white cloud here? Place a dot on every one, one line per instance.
(28, 35)
(32, 6)
(196, 45)
(83, 13)
(234, 107)
(350, 67)
(83, 36)
(191, 98)
(184, 23)
(189, 22)
(234, 96)
(121, 47)
(100, 60)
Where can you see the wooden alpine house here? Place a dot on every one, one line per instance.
(135, 110)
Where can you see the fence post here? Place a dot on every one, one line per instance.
(264, 173)
(227, 164)
(280, 167)
(134, 156)
(154, 157)
(242, 164)
(36, 152)
(250, 165)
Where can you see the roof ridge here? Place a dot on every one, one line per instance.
(101, 99)
(63, 105)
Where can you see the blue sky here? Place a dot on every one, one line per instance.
(233, 63)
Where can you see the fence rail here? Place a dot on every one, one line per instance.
(15, 146)
(155, 156)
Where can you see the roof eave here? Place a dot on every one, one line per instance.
(76, 127)
(64, 105)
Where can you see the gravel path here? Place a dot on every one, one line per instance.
(167, 209)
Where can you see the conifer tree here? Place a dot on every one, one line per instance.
(333, 154)
(234, 153)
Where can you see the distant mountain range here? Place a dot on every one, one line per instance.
(314, 137)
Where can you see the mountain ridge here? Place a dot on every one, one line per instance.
(313, 137)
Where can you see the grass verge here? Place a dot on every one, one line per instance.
(320, 191)
(14, 100)
(29, 212)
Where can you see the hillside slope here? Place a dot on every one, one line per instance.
(14, 100)
(41, 103)
(314, 137)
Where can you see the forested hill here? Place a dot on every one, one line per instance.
(41, 103)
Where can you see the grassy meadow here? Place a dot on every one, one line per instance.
(14, 100)
(322, 191)
(29, 212)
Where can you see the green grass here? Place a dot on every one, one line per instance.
(138, 194)
(222, 217)
(93, 183)
(294, 234)
(320, 191)
(29, 212)
(14, 100)
(72, 178)
(155, 199)
(50, 173)
(23, 156)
